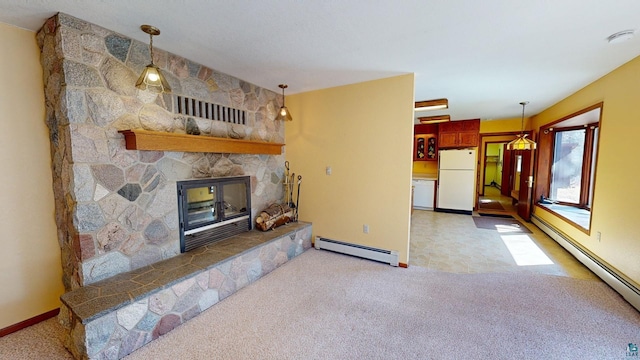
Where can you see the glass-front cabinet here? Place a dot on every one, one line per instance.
(425, 147)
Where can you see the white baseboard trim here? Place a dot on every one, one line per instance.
(628, 290)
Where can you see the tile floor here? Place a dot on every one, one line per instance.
(452, 243)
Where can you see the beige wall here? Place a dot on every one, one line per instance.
(616, 199)
(364, 132)
(30, 270)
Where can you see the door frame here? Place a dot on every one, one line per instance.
(493, 137)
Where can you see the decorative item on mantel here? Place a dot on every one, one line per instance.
(192, 127)
(151, 78)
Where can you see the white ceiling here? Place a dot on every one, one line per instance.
(484, 56)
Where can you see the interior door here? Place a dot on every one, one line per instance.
(505, 188)
(526, 184)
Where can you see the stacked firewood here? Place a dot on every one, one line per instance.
(274, 216)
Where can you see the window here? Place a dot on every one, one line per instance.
(566, 161)
(572, 172)
(566, 169)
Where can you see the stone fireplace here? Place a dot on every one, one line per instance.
(116, 209)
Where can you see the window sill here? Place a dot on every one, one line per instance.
(579, 218)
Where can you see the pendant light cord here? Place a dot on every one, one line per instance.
(524, 103)
(151, 47)
(522, 121)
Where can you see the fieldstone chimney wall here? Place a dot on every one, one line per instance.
(116, 209)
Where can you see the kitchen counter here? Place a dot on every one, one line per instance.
(425, 176)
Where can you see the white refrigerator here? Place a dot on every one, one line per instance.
(456, 181)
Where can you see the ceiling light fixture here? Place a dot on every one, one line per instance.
(521, 142)
(621, 36)
(284, 113)
(151, 78)
(434, 119)
(431, 105)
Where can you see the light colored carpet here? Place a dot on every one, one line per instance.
(323, 305)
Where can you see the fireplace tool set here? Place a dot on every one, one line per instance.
(280, 214)
(289, 184)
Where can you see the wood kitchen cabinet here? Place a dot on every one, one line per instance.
(425, 142)
(459, 134)
(425, 129)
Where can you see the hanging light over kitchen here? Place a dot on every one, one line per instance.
(521, 142)
(284, 113)
(151, 78)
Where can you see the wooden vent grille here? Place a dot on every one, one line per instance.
(202, 109)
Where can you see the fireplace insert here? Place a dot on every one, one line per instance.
(213, 209)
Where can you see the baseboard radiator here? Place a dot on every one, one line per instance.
(624, 287)
(386, 256)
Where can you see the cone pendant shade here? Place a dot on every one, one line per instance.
(152, 79)
(284, 114)
(521, 143)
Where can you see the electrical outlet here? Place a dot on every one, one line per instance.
(328, 170)
(365, 228)
(599, 236)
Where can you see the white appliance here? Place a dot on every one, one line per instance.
(423, 194)
(456, 181)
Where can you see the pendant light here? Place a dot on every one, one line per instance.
(284, 113)
(151, 78)
(521, 142)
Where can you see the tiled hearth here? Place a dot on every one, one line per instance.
(111, 318)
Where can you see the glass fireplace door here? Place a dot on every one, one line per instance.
(201, 205)
(235, 199)
(213, 209)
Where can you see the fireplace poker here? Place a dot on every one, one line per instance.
(287, 184)
(298, 197)
(293, 177)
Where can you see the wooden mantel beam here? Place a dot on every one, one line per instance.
(139, 139)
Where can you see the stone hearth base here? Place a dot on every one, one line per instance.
(111, 318)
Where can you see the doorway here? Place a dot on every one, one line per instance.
(497, 180)
(496, 176)
(493, 164)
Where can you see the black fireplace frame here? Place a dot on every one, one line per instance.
(222, 226)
